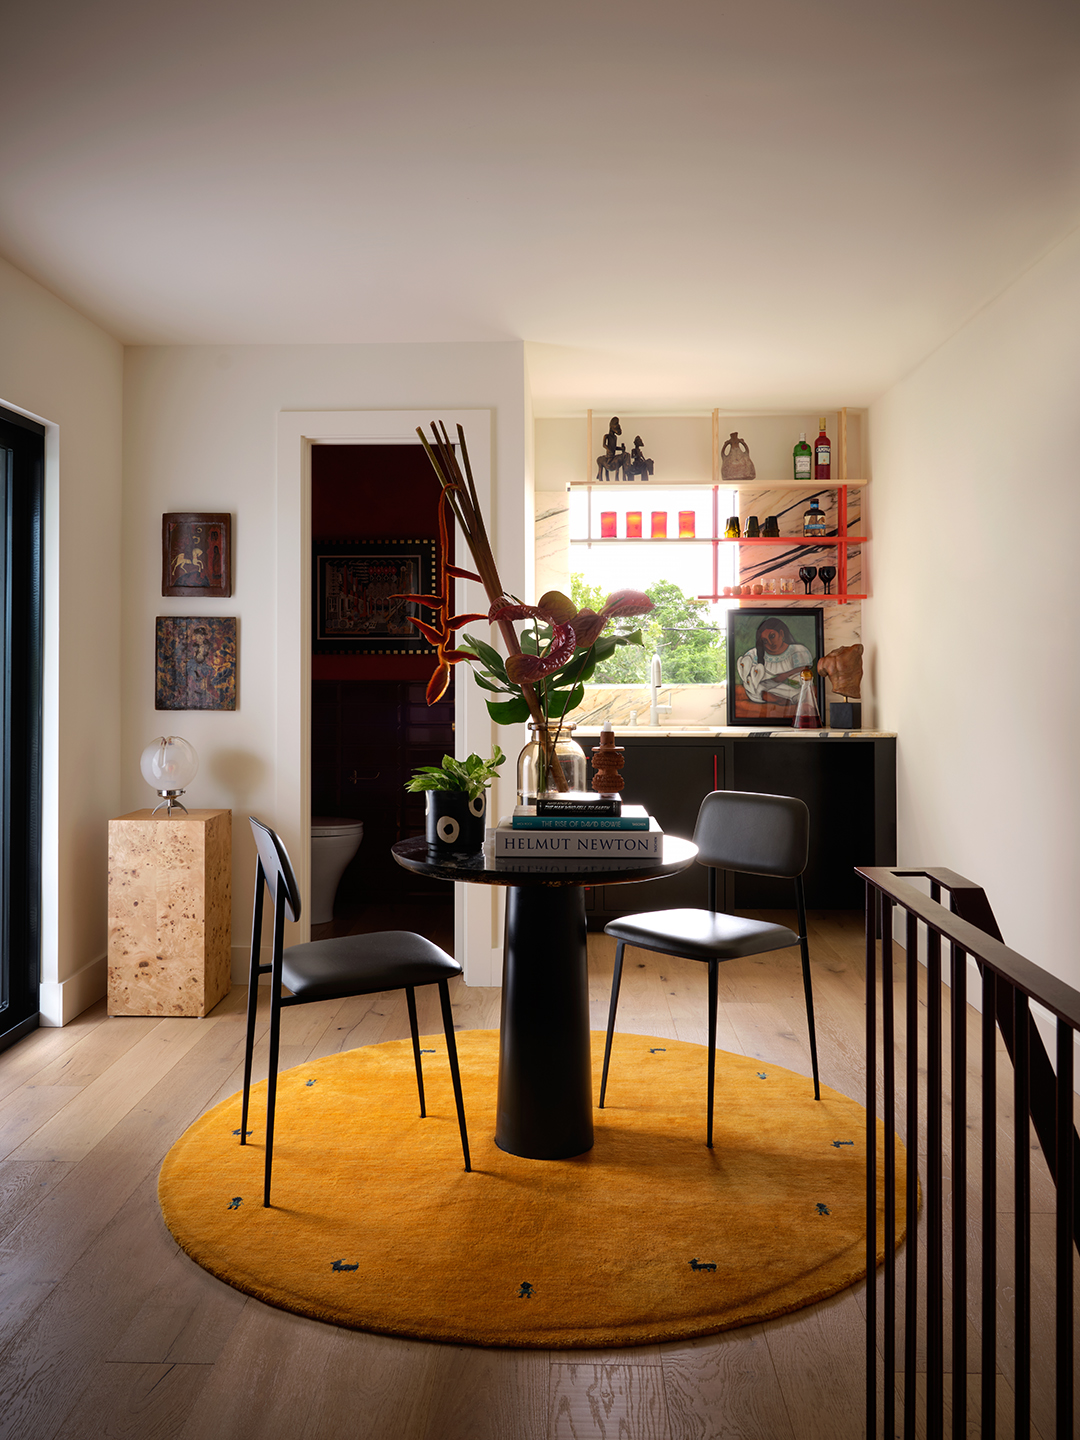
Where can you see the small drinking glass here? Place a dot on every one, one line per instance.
(828, 575)
(807, 574)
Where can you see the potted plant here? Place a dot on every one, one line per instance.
(456, 801)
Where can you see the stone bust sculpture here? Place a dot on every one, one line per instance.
(844, 669)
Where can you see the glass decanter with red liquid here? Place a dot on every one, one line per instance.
(806, 708)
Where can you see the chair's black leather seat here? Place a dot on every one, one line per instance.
(700, 935)
(363, 964)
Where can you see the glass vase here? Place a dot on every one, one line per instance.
(533, 771)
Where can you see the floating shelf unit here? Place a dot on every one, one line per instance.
(841, 540)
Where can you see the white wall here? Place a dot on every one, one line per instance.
(200, 432)
(975, 510)
(59, 367)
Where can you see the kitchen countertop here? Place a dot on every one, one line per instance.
(676, 732)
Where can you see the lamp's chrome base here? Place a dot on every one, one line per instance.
(169, 803)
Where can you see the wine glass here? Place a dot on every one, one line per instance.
(828, 575)
(806, 575)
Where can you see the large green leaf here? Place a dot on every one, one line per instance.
(491, 657)
(508, 712)
(563, 700)
(486, 684)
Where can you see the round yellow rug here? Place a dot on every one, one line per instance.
(649, 1237)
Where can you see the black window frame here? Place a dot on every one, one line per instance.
(22, 494)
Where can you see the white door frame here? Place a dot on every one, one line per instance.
(476, 909)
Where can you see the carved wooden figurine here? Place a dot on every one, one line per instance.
(607, 760)
(614, 457)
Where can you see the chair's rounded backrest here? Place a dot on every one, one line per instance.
(276, 866)
(758, 834)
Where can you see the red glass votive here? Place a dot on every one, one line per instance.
(659, 524)
(633, 524)
(607, 524)
(686, 524)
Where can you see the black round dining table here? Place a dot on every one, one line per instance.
(544, 1109)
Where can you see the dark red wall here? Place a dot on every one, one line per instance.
(372, 492)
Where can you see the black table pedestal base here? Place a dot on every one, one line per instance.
(545, 1071)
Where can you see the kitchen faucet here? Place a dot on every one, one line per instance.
(655, 679)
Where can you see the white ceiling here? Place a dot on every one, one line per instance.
(677, 203)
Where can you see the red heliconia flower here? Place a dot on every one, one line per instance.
(441, 635)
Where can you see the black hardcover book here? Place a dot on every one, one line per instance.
(578, 802)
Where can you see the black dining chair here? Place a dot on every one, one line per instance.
(736, 830)
(334, 970)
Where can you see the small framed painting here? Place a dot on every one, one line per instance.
(357, 607)
(196, 663)
(765, 654)
(196, 554)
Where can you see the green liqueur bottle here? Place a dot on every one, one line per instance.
(803, 457)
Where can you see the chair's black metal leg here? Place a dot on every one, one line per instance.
(713, 989)
(275, 1037)
(253, 995)
(455, 1073)
(410, 1000)
(808, 988)
(616, 981)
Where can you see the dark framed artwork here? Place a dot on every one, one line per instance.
(196, 554)
(196, 663)
(354, 608)
(765, 652)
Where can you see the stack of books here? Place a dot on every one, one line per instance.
(579, 829)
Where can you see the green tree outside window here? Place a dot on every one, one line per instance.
(690, 645)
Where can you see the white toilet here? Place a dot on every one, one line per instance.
(334, 842)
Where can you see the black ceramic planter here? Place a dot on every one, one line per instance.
(455, 824)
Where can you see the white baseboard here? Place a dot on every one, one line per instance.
(59, 1001)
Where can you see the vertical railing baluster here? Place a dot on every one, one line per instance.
(934, 1138)
(1066, 1197)
(1022, 1237)
(871, 1167)
(988, 1405)
(958, 982)
(888, 1105)
(1006, 1012)
(911, 1258)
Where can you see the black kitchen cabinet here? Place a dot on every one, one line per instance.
(848, 784)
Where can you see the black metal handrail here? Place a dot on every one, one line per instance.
(1009, 984)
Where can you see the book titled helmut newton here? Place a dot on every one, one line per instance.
(575, 846)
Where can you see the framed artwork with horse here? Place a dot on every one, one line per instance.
(196, 554)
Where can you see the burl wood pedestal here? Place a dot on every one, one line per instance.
(170, 908)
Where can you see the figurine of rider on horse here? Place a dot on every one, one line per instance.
(615, 463)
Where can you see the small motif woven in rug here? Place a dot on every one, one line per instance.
(649, 1237)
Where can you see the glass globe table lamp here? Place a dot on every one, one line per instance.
(169, 765)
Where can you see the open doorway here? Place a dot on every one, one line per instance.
(370, 723)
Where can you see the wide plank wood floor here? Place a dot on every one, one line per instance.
(108, 1330)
